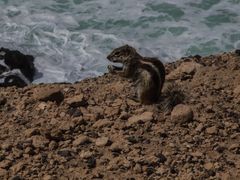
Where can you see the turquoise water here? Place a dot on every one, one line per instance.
(71, 38)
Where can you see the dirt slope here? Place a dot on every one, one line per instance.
(93, 130)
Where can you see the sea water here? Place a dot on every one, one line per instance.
(70, 39)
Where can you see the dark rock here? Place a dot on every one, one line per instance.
(237, 51)
(17, 177)
(150, 170)
(74, 112)
(65, 153)
(133, 139)
(18, 69)
(161, 158)
(2, 69)
(3, 101)
(91, 162)
(198, 57)
(14, 80)
(17, 60)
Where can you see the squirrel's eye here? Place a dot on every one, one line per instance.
(117, 53)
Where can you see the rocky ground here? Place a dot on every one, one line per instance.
(93, 130)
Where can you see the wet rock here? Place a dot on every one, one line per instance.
(3, 69)
(81, 140)
(181, 114)
(76, 101)
(17, 60)
(103, 141)
(237, 51)
(144, 117)
(49, 94)
(13, 80)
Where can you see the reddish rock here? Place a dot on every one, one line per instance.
(102, 123)
(31, 132)
(5, 164)
(17, 167)
(144, 117)
(186, 68)
(236, 91)
(199, 128)
(86, 154)
(181, 114)
(76, 101)
(49, 94)
(103, 141)
(80, 140)
(3, 172)
(208, 166)
(212, 130)
(39, 141)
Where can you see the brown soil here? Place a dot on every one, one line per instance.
(93, 130)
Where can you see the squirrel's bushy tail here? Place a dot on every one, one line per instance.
(171, 96)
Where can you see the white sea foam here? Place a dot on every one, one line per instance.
(71, 39)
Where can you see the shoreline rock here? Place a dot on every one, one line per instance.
(16, 69)
(93, 130)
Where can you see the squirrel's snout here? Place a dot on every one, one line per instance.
(108, 57)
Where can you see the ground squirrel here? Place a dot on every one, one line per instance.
(147, 72)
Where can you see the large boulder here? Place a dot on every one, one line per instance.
(17, 69)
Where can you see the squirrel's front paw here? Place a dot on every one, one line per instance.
(110, 69)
